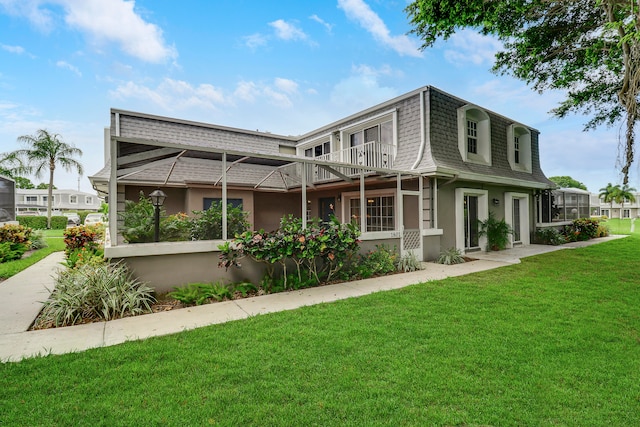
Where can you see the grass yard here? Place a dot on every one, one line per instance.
(55, 242)
(620, 226)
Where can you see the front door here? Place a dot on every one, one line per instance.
(471, 235)
(327, 208)
(516, 221)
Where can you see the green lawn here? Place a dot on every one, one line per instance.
(55, 243)
(621, 226)
(552, 341)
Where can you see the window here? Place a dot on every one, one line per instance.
(45, 198)
(88, 200)
(31, 200)
(380, 212)
(381, 133)
(208, 201)
(318, 150)
(474, 135)
(519, 148)
(626, 213)
(73, 199)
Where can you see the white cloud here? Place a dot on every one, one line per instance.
(276, 98)
(113, 21)
(287, 31)
(322, 22)
(173, 95)
(254, 41)
(246, 91)
(40, 18)
(286, 85)
(471, 47)
(13, 49)
(116, 21)
(359, 11)
(65, 65)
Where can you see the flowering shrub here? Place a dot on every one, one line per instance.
(82, 245)
(15, 234)
(581, 229)
(317, 252)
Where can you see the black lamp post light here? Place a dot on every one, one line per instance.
(157, 199)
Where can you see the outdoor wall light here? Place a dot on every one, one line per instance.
(496, 202)
(157, 200)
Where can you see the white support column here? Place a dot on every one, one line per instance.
(113, 193)
(224, 196)
(304, 195)
(399, 203)
(363, 204)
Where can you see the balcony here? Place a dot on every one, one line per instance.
(371, 154)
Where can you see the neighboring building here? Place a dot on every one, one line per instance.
(628, 209)
(416, 172)
(63, 201)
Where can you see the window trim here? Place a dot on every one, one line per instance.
(483, 143)
(71, 202)
(88, 200)
(384, 192)
(376, 120)
(523, 133)
(483, 213)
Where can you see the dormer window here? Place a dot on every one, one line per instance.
(474, 135)
(519, 147)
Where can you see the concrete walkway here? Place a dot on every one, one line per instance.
(21, 300)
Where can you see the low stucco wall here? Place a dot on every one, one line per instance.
(164, 266)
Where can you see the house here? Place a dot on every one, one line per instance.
(416, 172)
(63, 201)
(628, 209)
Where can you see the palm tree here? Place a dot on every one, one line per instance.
(625, 193)
(11, 165)
(609, 194)
(45, 151)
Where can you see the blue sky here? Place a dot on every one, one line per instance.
(285, 67)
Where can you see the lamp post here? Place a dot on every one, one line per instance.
(157, 199)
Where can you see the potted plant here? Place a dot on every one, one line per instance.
(497, 232)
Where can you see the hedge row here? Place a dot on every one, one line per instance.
(40, 222)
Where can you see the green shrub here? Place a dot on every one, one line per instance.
(408, 262)
(58, 222)
(90, 292)
(175, 228)
(450, 256)
(139, 220)
(318, 251)
(35, 222)
(208, 224)
(497, 232)
(603, 230)
(38, 240)
(15, 234)
(549, 236)
(582, 229)
(380, 261)
(201, 293)
(11, 251)
(40, 222)
(83, 245)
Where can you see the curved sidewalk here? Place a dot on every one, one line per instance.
(21, 300)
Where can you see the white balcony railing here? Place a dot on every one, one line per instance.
(371, 154)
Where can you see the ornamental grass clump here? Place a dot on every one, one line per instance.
(89, 293)
(450, 256)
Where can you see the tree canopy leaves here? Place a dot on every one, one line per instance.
(567, 182)
(588, 48)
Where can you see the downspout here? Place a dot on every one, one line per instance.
(423, 138)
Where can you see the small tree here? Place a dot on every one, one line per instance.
(497, 232)
(624, 193)
(45, 151)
